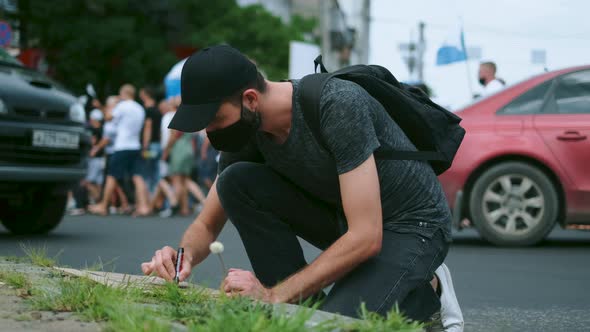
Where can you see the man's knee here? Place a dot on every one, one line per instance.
(137, 179)
(237, 176)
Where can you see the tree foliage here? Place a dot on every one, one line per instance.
(256, 32)
(110, 42)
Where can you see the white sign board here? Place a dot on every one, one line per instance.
(538, 57)
(301, 56)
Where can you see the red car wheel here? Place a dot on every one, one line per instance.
(514, 204)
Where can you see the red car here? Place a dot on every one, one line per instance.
(524, 164)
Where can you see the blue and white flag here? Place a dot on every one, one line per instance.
(452, 49)
(172, 80)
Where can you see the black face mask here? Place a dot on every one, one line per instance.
(234, 137)
(482, 81)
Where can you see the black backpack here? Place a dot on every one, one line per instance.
(434, 131)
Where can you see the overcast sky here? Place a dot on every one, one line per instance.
(505, 30)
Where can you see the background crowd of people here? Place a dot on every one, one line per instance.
(138, 166)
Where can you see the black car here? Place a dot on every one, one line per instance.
(43, 148)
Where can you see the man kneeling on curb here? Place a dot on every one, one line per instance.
(383, 226)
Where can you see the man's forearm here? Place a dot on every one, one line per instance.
(174, 136)
(196, 240)
(101, 144)
(340, 258)
(205, 146)
(147, 133)
(204, 229)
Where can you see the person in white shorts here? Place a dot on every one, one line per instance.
(128, 117)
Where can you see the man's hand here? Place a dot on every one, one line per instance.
(245, 283)
(163, 265)
(165, 154)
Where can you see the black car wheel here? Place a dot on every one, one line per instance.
(41, 215)
(514, 204)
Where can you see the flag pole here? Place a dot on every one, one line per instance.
(467, 64)
(469, 78)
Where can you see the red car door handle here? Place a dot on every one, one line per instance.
(571, 136)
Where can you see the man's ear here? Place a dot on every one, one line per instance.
(250, 98)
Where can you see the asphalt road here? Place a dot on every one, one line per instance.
(543, 288)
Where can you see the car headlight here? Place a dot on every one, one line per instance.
(3, 108)
(77, 113)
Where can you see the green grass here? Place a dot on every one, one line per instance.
(91, 300)
(158, 308)
(102, 266)
(134, 309)
(171, 294)
(133, 319)
(239, 314)
(394, 321)
(15, 259)
(15, 279)
(38, 256)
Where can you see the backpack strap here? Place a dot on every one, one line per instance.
(319, 62)
(409, 155)
(311, 87)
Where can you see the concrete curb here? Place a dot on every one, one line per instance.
(118, 279)
(39, 275)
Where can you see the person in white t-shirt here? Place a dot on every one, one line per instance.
(164, 190)
(487, 78)
(166, 118)
(167, 112)
(128, 118)
(109, 133)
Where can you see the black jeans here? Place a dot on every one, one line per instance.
(269, 213)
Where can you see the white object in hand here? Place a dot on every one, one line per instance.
(216, 247)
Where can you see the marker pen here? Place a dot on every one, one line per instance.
(179, 258)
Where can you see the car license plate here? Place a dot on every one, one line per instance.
(55, 139)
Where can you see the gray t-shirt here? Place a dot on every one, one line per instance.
(353, 125)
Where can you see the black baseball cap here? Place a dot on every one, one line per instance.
(209, 76)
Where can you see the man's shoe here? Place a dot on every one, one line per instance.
(77, 212)
(166, 213)
(71, 204)
(450, 311)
